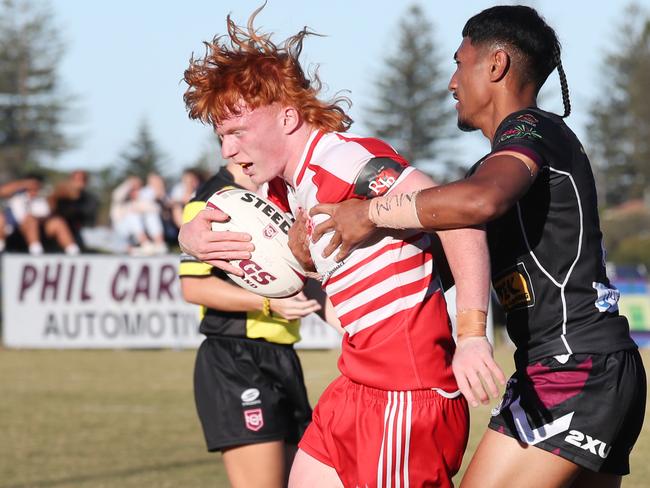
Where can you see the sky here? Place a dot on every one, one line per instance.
(124, 62)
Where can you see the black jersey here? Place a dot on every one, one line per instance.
(252, 324)
(548, 262)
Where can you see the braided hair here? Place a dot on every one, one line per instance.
(522, 29)
(564, 85)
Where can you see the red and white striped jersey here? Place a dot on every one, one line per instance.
(387, 293)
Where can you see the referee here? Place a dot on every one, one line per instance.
(248, 382)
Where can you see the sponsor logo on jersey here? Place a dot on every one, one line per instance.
(608, 297)
(250, 395)
(594, 446)
(254, 419)
(514, 288)
(377, 177)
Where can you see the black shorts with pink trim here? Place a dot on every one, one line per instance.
(588, 410)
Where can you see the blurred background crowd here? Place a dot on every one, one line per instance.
(140, 215)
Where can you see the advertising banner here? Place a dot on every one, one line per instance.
(107, 301)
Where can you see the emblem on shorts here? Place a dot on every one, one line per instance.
(250, 395)
(254, 419)
(594, 446)
(530, 435)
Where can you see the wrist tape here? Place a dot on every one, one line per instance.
(470, 323)
(395, 211)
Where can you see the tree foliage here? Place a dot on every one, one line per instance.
(412, 110)
(31, 105)
(143, 155)
(620, 120)
(633, 250)
(210, 159)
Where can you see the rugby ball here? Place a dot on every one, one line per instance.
(272, 271)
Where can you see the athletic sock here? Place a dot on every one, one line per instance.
(35, 249)
(72, 249)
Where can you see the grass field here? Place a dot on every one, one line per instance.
(126, 419)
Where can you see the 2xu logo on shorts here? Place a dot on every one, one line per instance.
(592, 445)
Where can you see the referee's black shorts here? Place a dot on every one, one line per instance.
(249, 391)
(588, 410)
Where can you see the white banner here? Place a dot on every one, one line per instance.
(106, 301)
(113, 301)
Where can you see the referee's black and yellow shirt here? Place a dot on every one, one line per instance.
(253, 324)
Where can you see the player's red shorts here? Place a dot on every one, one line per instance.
(377, 438)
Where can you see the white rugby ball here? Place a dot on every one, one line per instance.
(272, 271)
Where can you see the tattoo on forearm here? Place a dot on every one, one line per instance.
(393, 201)
(395, 211)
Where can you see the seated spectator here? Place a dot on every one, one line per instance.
(75, 204)
(136, 218)
(182, 193)
(7, 190)
(155, 191)
(29, 212)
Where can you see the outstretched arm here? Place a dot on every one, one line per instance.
(8, 189)
(495, 187)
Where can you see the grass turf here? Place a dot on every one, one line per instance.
(126, 419)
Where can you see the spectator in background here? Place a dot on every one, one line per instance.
(155, 192)
(136, 218)
(30, 213)
(7, 190)
(183, 191)
(75, 204)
